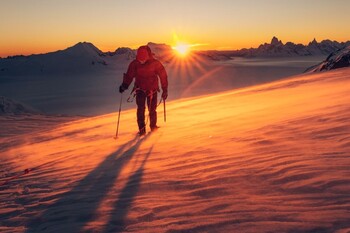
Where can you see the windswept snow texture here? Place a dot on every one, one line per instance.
(337, 60)
(269, 158)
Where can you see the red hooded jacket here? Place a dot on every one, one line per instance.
(146, 75)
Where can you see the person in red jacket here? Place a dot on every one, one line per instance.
(146, 70)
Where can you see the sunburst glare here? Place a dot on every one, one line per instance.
(182, 49)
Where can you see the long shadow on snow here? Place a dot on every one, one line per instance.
(117, 221)
(77, 207)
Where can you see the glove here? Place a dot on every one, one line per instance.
(165, 93)
(123, 87)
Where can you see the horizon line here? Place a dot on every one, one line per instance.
(199, 50)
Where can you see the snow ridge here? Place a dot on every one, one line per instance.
(82, 57)
(339, 59)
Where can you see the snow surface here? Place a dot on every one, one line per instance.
(268, 158)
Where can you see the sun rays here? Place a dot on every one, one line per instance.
(182, 49)
(189, 69)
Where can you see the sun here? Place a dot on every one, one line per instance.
(182, 49)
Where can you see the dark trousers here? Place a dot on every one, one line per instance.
(151, 98)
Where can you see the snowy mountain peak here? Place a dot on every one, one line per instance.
(123, 53)
(82, 57)
(123, 50)
(162, 52)
(156, 48)
(275, 41)
(313, 42)
(84, 47)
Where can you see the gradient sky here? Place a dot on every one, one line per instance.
(39, 26)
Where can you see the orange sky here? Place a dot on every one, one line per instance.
(40, 26)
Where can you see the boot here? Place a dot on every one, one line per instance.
(142, 131)
(154, 128)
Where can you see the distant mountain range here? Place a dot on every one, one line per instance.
(84, 57)
(276, 48)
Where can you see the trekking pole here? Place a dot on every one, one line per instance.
(164, 110)
(120, 108)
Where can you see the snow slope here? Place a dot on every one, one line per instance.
(336, 60)
(269, 158)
